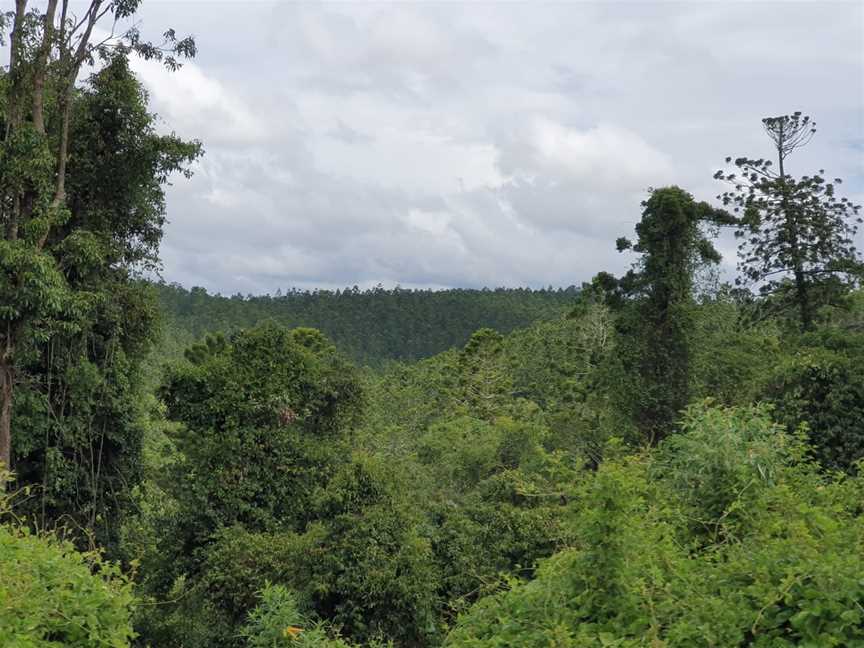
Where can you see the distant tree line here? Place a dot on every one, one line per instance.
(370, 326)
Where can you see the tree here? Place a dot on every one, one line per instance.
(38, 222)
(821, 385)
(654, 301)
(263, 412)
(266, 416)
(79, 414)
(485, 386)
(796, 234)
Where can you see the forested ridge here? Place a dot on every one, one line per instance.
(370, 326)
(661, 458)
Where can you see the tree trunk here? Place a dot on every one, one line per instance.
(41, 70)
(6, 379)
(13, 107)
(802, 294)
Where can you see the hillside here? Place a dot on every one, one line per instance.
(369, 326)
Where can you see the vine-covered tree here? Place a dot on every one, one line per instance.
(654, 300)
(797, 235)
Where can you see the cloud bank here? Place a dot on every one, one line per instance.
(476, 144)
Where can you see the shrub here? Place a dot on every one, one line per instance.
(54, 596)
(822, 386)
(786, 572)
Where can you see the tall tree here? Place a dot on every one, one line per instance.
(654, 302)
(47, 50)
(797, 235)
(79, 416)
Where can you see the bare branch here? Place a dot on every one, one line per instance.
(41, 67)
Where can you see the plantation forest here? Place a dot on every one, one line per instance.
(670, 458)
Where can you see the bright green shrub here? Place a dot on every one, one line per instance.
(784, 569)
(277, 622)
(54, 596)
(722, 460)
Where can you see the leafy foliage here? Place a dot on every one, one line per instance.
(821, 385)
(783, 570)
(656, 324)
(276, 622)
(52, 595)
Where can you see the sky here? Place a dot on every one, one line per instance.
(447, 144)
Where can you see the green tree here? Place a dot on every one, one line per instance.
(261, 411)
(485, 385)
(42, 244)
(797, 235)
(78, 415)
(266, 414)
(655, 302)
(821, 384)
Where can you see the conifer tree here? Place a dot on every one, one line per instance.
(797, 235)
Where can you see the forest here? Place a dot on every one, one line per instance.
(666, 458)
(369, 326)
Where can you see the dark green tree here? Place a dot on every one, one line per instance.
(266, 415)
(261, 412)
(78, 418)
(796, 234)
(44, 235)
(821, 385)
(654, 302)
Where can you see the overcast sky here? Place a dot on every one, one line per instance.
(465, 144)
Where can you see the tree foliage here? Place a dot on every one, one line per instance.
(79, 378)
(797, 234)
(774, 560)
(655, 300)
(62, 221)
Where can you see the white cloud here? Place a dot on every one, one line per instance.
(192, 101)
(605, 155)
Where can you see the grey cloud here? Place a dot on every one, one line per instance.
(476, 144)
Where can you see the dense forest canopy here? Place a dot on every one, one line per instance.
(654, 459)
(369, 326)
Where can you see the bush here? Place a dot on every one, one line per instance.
(276, 622)
(723, 459)
(822, 386)
(785, 572)
(54, 596)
